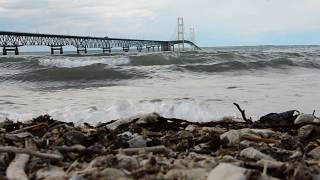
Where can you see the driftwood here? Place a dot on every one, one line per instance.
(31, 128)
(249, 121)
(75, 148)
(154, 149)
(30, 152)
(105, 124)
(15, 170)
(127, 151)
(258, 139)
(80, 149)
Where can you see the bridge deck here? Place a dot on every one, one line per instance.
(16, 39)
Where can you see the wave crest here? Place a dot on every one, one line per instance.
(83, 73)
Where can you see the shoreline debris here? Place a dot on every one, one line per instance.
(278, 146)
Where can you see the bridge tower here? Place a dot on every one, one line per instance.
(181, 33)
(192, 37)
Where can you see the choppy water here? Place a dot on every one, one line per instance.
(198, 86)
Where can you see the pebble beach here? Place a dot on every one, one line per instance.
(276, 146)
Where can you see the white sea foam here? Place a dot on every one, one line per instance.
(72, 62)
(15, 116)
(193, 111)
(189, 110)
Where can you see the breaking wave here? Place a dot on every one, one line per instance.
(197, 111)
(83, 73)
(164, 59)
(128, 67)
(250, 65)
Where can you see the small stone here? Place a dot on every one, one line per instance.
(127, 162)
(138, 142)
(75, 137)
(306, 130)
(139, 119)
(213, 129)
(190, 174)
(148, 118)
(246, 144)
(232, 137)
(228, 172)
(306, 118)
(190, 128)
(228, 159)
(185, 134)
(77, 177)
(252, 153)
(315, 153)
(52, 172)
(112, 173)
(296, 155)
(289, 142)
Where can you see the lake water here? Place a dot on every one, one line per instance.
(195, 85)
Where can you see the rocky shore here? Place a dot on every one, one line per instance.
(277, 146)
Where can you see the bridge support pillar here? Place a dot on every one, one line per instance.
(13, 49)
(165, 46)
(153, 48)
(139, 48)
(158, 48)
(4, 51)
(126, 49)
(79, 50)
(106, 49)
(148, 47)
(56, 48)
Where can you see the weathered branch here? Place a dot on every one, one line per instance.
(249, 121)
(127, 151)
(258, 139)
(30, 152)
(31, 128)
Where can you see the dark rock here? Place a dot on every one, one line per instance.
(44, 118)
(154, 142)
(9, 125)
(215, 142)
(290, 143)
(75, 137)
(285, 118)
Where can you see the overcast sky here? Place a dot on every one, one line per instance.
(217, 22)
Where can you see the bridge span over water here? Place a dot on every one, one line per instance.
(11, 41)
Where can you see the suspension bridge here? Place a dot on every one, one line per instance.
(11, 41)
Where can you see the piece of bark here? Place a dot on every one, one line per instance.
(15, 170)
(30, 152)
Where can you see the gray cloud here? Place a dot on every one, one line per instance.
(157, 18)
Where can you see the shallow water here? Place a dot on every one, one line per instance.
(197, 86)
